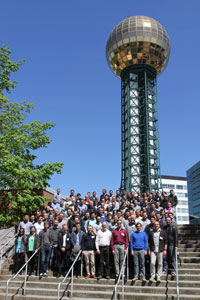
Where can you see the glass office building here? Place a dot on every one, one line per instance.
(179, 185)
(193, 180)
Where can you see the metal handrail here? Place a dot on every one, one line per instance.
(72, 281)
(176, 261)
(121, 274)
(177, 278)
(25, 275)
(1, 253)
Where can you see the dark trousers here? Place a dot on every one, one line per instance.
(18, 261)
(171, 258)
(31, 264)
(63, 259)
(104, 260)
(77, 268)
(55, 262)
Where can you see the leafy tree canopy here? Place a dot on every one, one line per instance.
(21, 179)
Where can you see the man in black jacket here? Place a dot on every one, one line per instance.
(172, 246)
(55, 231)
(64, 249)
(157, 248)
(88, 249)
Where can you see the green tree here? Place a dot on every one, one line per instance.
(21, 179)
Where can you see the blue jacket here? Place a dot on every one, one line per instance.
(74, 235)
(139, 240)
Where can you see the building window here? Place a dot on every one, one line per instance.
(182, 202)
(182, 210)
(169, 186)
(181, 194)
(179, 187)
(183, 218)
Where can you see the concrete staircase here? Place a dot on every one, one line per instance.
(189, 279)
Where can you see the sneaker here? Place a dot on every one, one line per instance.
(58, 275)
(99, 277)
(88, 276)
(173, 275)
(107, 276)
(134, 279)
(45, 274)
(158, 280)
(41, 275)
(143, 279)
(151, 279)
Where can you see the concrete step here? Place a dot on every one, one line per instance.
(191, 241)
(189, 254)
(188, 277)
(189, 231)
(31, 297)
(50, 282)
(189, 260)
(188, 247)
(188, 271)
(35, 297)
(189, 237)
(189, 266)
(142, 296)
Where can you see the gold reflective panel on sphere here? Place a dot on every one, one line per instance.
(138, 40)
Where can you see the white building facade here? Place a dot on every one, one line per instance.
(179, 185)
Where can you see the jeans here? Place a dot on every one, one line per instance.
(45, 258)
(139, 263)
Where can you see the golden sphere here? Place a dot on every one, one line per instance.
(138, 40)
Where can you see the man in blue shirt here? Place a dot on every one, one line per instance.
(82, 206)
(139, 247)
(58, 196)
(55, 205)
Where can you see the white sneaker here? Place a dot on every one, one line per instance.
(45, 274)
(152, 279)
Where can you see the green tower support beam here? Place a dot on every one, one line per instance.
(140, 138)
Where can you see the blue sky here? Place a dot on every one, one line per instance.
(67, 78)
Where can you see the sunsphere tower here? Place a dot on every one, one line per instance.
(137, 51)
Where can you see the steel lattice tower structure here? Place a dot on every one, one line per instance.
(137, 51)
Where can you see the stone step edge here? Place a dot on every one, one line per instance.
(98, 284)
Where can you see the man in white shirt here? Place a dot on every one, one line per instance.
(25, 224)
(103, 238)
(39, 225)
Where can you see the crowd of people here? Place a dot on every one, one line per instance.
(101, 230)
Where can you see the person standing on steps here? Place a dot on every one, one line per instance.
(103, 249)
(64, 249)
(172, 246)
(19, 250)
(32, 242)
(119, 243)
(88, 251)
(139, 247)
(157, 248)
(76, 239)
(46, 243)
